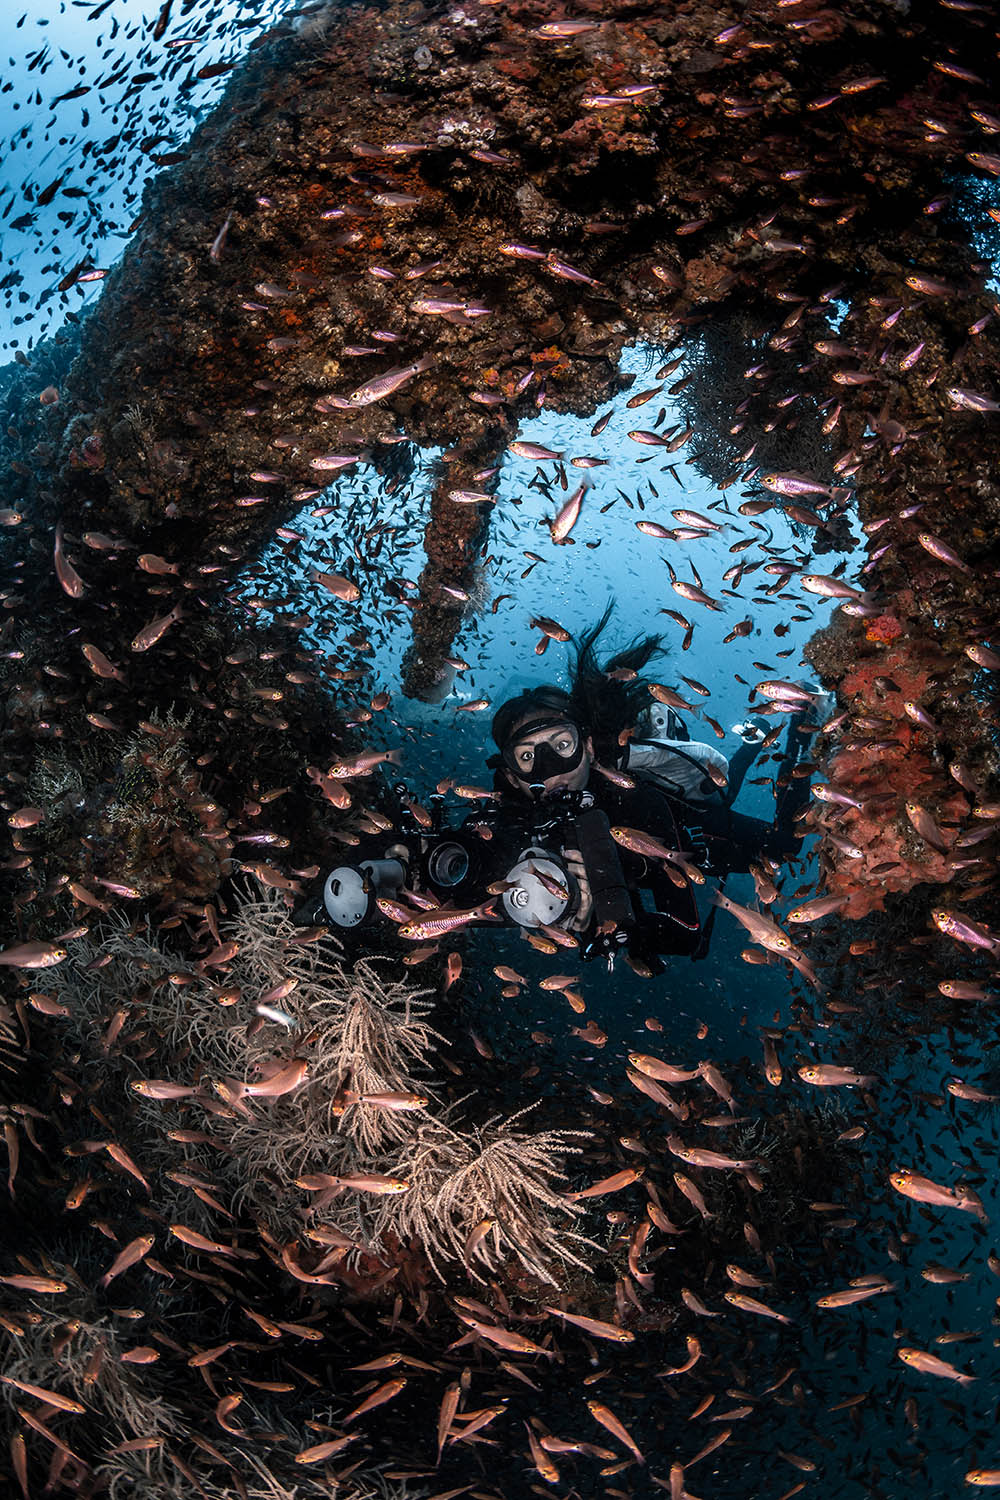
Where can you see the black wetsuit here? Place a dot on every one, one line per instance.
(710, 834)
(733, 840)
(649, 897)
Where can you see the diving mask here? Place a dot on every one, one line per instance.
(559, 752)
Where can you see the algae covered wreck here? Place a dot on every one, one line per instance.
(256, 1196)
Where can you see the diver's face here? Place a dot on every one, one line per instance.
(528, 764)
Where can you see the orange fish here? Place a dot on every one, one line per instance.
(100, 665)
(69, 579)
(750, 1304)
(609, 1184)
(34, 1283)
(224, 1407)
(541, 1460)
(654, 1067)
(446, 1416)
(149, 562)
(51, 1398)
(162, 1088)
(694, 1354)
(852, 1294)
(378, 1397)
(608, 1420)
(363, 1182)
(699, 1156)
(32, 955)
(201, 1242)
(562, 524)
(505, 1338)
(693, 1194)
(827, 1075)
(388, 1099)
(929, 1364)
(341, 588)
(453, 970)
(445, 922)
(39, 1426)
(280, 1083)
(657, 1093)
(316, 1454)
(923, 1190)
(594, 1325)
(155, 630)
(133, 1252)
(121, 1156)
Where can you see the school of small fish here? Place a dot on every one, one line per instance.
(217, 525)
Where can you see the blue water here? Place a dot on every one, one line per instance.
(55, 48)
(571, 584)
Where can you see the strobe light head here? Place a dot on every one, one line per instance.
(540, 890)
(349, 891)
(348, 896)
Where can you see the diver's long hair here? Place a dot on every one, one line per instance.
(602, 705)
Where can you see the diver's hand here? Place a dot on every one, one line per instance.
(576, 867)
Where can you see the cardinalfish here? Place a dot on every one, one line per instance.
(359, 1182)
(922, 1190)
(830, 1075)
(443, 922)
(388, 383)
(930, 1364)
(150, 634)
(69, 579)
(38, 955)
(760, 928)
(363, 764)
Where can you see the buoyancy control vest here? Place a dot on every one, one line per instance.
(680, 767)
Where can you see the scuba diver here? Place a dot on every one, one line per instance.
(603, 817)
(602, 746)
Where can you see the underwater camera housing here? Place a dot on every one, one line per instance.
(443, 861)
(519, 855)
(450, 866)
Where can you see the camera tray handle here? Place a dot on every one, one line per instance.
(613, 914)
